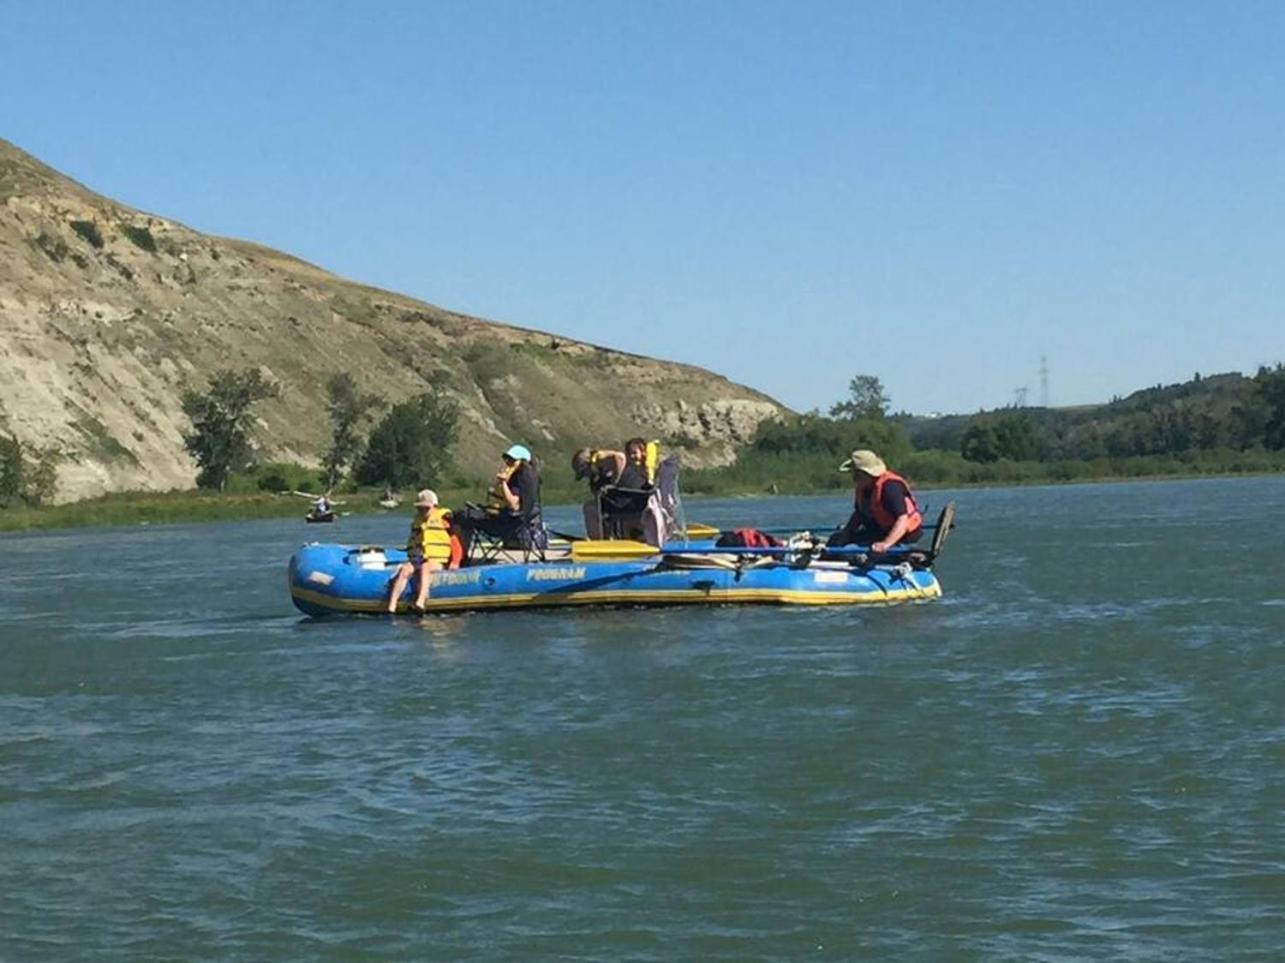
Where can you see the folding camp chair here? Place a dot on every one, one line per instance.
(522, 543)
(655, 512)
(621, 509)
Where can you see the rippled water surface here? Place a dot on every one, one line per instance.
(1077, 753)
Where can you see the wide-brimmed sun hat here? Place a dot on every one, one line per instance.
(427, 498)
(518, 453)
(864, 460)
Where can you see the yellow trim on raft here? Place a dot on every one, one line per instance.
(605, 597)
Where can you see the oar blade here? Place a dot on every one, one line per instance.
(592, 548)
(697, 530)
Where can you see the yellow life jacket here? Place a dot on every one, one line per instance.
(431, 536)
(651, 463)
(496, 500)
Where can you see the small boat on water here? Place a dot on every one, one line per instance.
(322, 508)
(334, 579)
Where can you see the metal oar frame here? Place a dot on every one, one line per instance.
(803, 555)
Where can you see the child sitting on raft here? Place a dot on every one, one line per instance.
(428, 549)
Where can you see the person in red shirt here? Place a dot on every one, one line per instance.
(884, 512)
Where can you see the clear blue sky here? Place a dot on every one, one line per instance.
(788, 193)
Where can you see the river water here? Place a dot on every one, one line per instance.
(1077, 753)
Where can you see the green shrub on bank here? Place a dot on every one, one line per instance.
(277, 476)
(27, 472)
(141, 237)
(88, 230)
(139, 508)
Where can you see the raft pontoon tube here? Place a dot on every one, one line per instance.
(332, 579)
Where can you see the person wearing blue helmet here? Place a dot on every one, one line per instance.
(512, 511)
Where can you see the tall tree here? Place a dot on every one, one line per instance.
(10, 468)
(412, 444)
(1016, 437)
(220, 438)
(866, 399)
(980, 443)
(348, 407)
(1272, 387)
(27, 472)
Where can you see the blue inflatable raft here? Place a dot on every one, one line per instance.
(331, 579)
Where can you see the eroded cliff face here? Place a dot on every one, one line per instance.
(107, 314)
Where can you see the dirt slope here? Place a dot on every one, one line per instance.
(107, 313)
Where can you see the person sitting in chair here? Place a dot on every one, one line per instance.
(627, 506)
(640, 464)
(512, 512)
(603, 468)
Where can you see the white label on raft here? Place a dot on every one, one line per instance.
(321, 578)
(467, 577)
(559, 574)
(830, 578)
(372, 560)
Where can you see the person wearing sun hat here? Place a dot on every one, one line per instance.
(512, 504)
(884, 512)
(429, 548)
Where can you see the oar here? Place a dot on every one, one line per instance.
(845, 551)
(595, 549)
(693, 531)
(794, 530)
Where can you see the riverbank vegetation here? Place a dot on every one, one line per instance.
(266, 491)
(1226, 424)
(1220, 425)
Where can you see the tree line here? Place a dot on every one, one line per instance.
(1228, 411)
(411, 441)
(1228, 422)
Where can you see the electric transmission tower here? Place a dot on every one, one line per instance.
(1019, 397)
(1044, 381)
